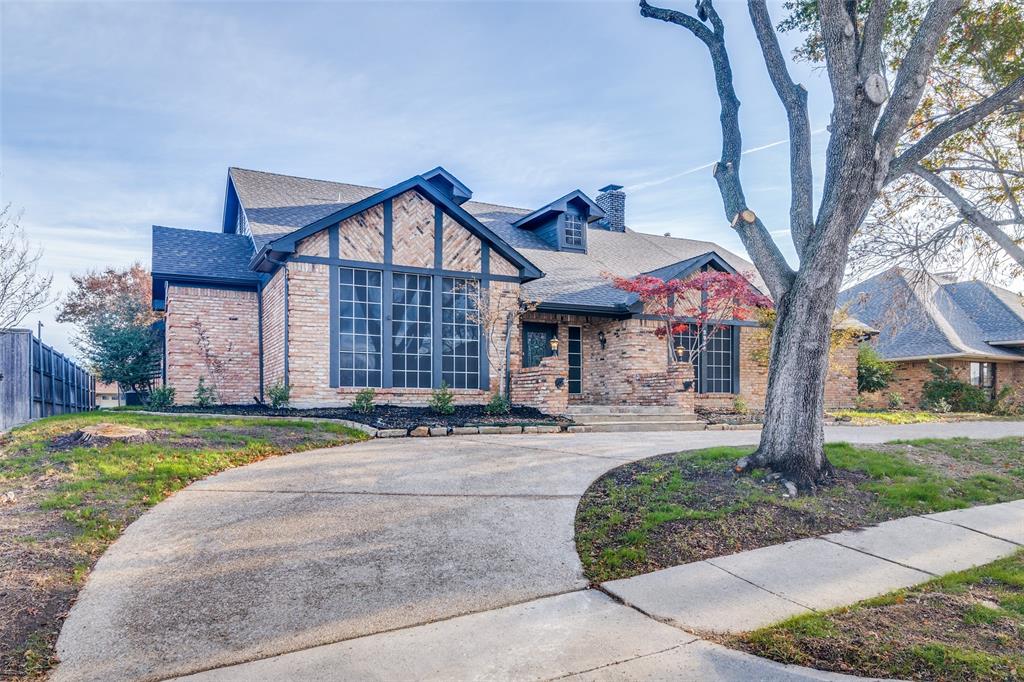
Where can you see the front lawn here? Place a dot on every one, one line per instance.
(62, 504)
(678, 508)
(963, 626)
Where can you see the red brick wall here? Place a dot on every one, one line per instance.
(909, 379)
(273, 330)
(539, 386)
(230, 322)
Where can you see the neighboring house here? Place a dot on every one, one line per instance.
(331, 287)
(108, 395)
(974, 328)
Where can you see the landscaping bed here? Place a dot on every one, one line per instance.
(714, 415)
(390, 416)
(69, 485)
(679, 508)
(963, 626)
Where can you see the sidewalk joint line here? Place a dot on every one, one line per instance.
(619, 662)
(344, 640)
(763, 589)
(370, 493)
(974, 530)
(876, 556)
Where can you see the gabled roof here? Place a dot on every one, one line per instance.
(933, 317)
(285, 244)
(684, 268)
(561, 205)
(198, 255)
(279, 204)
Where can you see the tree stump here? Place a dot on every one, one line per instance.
(104, 433)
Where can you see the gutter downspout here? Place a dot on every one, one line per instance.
(259, 332)
(284, 265)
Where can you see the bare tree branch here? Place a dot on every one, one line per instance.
(973, 214)
(23, 290)
(838, 37)
(870, 58)
(910, 157)
(980, 169)
(794, 99)
(755, 236)
(912, 76)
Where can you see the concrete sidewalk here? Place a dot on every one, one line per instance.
(752, 589)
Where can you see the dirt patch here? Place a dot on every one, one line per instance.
(390, 416)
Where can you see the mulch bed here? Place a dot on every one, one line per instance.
(389, 416)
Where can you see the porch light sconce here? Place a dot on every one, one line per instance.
(680, 352)
(602, 339)
(687, 385)
(554, 345)
(559, 382)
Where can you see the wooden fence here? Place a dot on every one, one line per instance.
(37, 381)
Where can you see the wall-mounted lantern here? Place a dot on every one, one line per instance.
(680, 352)
(602, 339)
(554, 345)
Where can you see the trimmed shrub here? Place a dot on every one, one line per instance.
(442, 400)
(739, 406)
(363, 404)
(873, 373)
(160, 398)
(895, 400)
(279, 395)
(498, 404)
(945, 390)
(204, 396)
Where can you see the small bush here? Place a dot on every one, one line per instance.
(363, 404)
(160, 398)
(960, 396)
(279, 395)
(1009, 402)
(873, 373)
(739, 406)
(204, 396)
(895, 400)
(498, 404)
(442, 400)
(940, 405)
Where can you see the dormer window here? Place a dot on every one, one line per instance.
(574, 226)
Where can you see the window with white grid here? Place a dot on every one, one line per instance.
(460, 333)
(713, 364)
(573, 230)
(410, 331)
(359, 337)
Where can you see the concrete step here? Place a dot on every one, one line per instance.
(621, 417)
(624, 409)
(633, 427)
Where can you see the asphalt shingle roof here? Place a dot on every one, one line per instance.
(921, 317)
(278, 204)
(198, 253)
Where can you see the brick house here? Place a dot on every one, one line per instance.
(331, 287)
(974, 328)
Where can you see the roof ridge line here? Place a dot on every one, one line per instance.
(303, 177)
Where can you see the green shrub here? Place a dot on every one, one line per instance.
(498, 404)
(739, 406)
(873, 373)
(442, 400)
(895, 400)
(279, 395)
(943, 389)
(1009, 402)
(160, 398)
(205, 396)
(363, 404)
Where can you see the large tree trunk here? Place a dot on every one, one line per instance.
(793, 439)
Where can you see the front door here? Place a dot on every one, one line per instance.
(537, 342)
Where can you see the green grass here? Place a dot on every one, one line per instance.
(693, 493)
(91, 493)
(946, 629)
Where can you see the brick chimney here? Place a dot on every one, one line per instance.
(612, 201)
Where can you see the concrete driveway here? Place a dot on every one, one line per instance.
(328, 546)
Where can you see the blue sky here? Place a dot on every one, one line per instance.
(118, 116)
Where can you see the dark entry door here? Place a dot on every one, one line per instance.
(537, 342)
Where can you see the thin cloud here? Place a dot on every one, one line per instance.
(640, 186)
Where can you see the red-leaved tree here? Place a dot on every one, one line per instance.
(701, 304)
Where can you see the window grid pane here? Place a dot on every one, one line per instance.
(573, 230)
(359, 341)
(575, 360)
(410, 331)
(712, 365)
(460, 333)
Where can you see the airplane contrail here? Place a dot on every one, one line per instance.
(661, 181)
